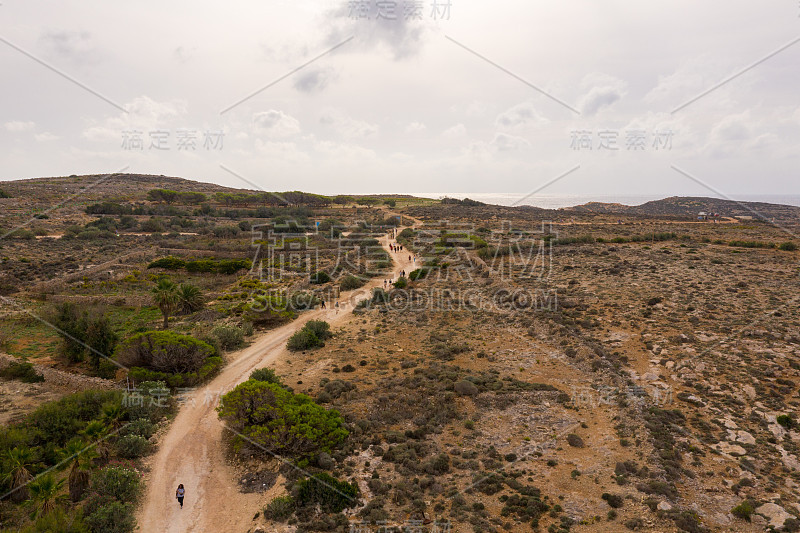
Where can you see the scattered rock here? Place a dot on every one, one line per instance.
(774, 513)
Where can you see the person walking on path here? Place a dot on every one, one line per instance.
(336, 305)
(179, 494)
(323, 303)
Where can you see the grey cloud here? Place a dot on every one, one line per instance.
(313, 79)
(403, 37)
(73, 46)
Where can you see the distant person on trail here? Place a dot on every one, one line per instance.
(323, 303)
(336, 305)
(179, 494)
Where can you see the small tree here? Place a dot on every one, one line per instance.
(165, 297)
(44, 494)
(190, 298)
(78, 459)
(18, 460)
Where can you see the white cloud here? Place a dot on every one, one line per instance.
(459, 130)
(45, 137)
(275, 124)
(520, 116)
(144, 115)
(415, 127)
(19, 125)
(505, 142)
(346, 126)
(603, 92)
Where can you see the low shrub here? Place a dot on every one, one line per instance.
(312, 335)
(614, 500)
(320, 277)
(133, 447)
(279, 509)
(350, 283)
(230, 337)
(419, 273)
(787, 246)
(744, 510)
(267, 375)
(332, 495)
(169, 263)
(22, 371)
(113, 517)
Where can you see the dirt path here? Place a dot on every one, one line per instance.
(192, 453)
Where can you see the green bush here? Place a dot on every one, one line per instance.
(169, 263)
(55, 423)
(85, 332)
(614, 500)
(56, 521)
(117, 482)
(152, 225)
(22, 371)
(744, 510)
(786, 421)
(210, 368)
(320, 278)
(787, 246)
(269, 309)
(132, 447)
(279, 509)
(332, 495)
(113, 517)
(232, 266)
(164, 351)
(230, 337)
(267, 375)
(312, 335)
(141, 427)
(280, 421)
(301, 300)
(350, 283)
(401, 283)
(201, 265)
(419, 273)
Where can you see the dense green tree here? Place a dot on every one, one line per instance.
(280, 421)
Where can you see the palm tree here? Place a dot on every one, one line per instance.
(190, 299)
(165, 297)
(112, 414)
(79, 457)
(18, 460)
(44, 494)
(96, 431)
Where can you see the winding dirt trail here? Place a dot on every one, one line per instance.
(192, 452)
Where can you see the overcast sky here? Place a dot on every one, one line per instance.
(490, 97)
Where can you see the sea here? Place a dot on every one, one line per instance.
(557, 201)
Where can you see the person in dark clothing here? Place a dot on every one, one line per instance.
(179, 494)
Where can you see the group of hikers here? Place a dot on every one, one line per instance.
(335, 305)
